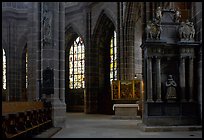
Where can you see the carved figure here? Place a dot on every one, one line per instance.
(177, 15)
(159, 13)
(186, 30)
(153, 30)
(192, 30)
(171, 88)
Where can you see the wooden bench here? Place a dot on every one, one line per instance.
(25, 119)
(128, 111)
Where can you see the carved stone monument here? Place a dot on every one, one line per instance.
(169, 75)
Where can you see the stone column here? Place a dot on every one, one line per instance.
(59, 107)
(53, 56)
(33, 45)
(158, 74)
(149, 79)
(191, 79)
(62, 50)
(182, 78)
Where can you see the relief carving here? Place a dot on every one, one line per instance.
(47, 20)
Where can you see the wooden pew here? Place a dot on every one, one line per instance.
(25, 119)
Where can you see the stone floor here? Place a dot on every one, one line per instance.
(81, 125)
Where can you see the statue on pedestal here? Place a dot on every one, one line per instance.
(177, 15)
(159, 13)
(186, 31)
(153, 30)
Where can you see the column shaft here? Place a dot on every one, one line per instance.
(182, 79)
(158, 74)
(191, 79)
(149, 79)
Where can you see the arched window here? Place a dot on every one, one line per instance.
(26, 68)
(24, 73)
(113, 60)
(76, 65)
(4, 69)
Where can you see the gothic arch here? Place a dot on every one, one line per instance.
(100, 44)
(104, 26)
(23, 73)
(4, 45)
(22, 42)
(71, 35)
(109, 13)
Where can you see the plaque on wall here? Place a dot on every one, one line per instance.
(48, 81)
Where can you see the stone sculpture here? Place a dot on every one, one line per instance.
(153, 30)
(159, 13)
(186, 31)
(171, 88)
(177, 15)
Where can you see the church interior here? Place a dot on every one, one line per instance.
(128, 60)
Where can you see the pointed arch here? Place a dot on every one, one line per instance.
(104, 26)
(24, 72)
(23, 41)
(100, 56)
(71, 33)
(74, 68)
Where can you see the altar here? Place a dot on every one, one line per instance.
(126, 111)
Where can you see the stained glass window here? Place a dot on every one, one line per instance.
(76, 65)
(113, 57)
(4, 69)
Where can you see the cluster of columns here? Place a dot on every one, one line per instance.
(182, 78)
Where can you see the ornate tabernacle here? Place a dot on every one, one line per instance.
(169, 75)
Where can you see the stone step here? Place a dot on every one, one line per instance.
(146, 128)
(48, 133)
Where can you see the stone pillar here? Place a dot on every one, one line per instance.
(53, 56)
(149, 79)
(190, 79)
(33, 44)
(59, 107)
(62, 50)
(158, 74)
(182, 78)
